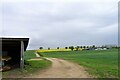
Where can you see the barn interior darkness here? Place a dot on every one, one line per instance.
(11, 52)
(12, 49)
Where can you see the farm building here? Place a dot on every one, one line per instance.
(12, 52)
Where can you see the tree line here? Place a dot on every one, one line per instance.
(73, 47)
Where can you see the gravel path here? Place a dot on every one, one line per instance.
(62, 69)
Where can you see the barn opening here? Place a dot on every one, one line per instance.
(13, 52)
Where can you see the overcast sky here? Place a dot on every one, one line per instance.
(60, 23)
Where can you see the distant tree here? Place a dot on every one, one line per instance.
(84, 47)
(66, 47)
(118, 47)
(71, 47)
(77, 48)
(93, 46)
(48, 48)
(115, 47)
(87, 47)
(41, 48)
(57, 47)
(81, 47)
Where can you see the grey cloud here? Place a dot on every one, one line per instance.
(51, 24)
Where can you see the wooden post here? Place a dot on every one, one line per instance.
(22, 55)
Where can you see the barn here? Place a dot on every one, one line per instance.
(12, 52)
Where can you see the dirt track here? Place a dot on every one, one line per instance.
(62, 69)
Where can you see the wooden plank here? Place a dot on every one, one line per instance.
(22, 55)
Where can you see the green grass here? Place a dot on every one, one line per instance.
(36, 65)
(31, 66)
(103, 64)
(29, 54)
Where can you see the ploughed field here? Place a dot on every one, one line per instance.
(99, 63)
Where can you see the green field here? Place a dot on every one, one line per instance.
(101, 63)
